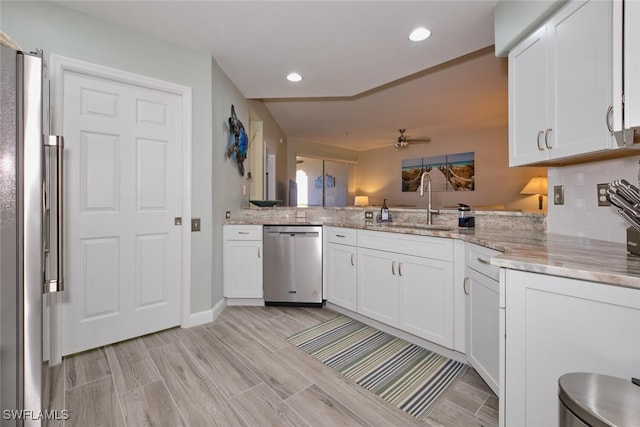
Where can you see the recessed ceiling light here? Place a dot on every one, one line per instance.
(294, 77)
(419, 34)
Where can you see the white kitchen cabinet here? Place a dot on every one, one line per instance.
(561, 92)
(528, 99)
(340, 267)
(552, 326)
(407, 282)
(483, 331)
(631, 64)
(242, 260)
(377, 284)
(426, 298)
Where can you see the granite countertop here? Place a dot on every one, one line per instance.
(536, 252)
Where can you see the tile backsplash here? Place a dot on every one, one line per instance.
(580, 215)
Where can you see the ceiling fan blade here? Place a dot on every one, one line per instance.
(403, 140)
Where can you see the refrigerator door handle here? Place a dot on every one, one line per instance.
(56, 144)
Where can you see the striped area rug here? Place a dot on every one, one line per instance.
(404, 374)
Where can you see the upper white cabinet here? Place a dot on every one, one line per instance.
(242, 261)
(632, 64)
(561, 95)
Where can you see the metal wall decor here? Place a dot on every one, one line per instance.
(240, 142)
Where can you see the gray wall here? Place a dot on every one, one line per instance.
(516, 19)
(62, 31)
(276, 144)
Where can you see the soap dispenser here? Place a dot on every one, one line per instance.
(384, 212)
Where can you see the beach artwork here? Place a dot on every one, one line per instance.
(449, 172)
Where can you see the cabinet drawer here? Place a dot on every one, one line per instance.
(242, 232)
(343, 236)
(421, 246)
(477, 258)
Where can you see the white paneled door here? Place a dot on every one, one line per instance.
(123, 179)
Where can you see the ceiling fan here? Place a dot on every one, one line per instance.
(404, 140)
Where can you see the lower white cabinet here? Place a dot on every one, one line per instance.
(482, 329)
(242, 269)
(426, 298)
(378, 285)
(340, 275)
(409, 292)
(553, 325)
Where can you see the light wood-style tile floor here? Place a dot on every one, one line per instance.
(237, 371)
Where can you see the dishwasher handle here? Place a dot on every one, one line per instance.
(297, 234)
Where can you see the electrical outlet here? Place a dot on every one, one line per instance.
(195, 224)
(368, 215)
(602, 194)
(558, 195)
(301, 214)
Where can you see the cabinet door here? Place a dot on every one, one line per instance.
(632, 64)
(341, 275)
(528, 100)
(378, 285)
(243, 269)
(581, 59)
(556, 325)
(426, 298)
(483, 327)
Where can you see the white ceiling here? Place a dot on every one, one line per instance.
(362, 78)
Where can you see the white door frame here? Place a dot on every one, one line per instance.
(58, 66)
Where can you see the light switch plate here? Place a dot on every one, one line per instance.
(602, 194)
(301, 214)
(558, 195)
(227, 215)
(195, 224)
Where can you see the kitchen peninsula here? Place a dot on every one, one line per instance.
(564, 303)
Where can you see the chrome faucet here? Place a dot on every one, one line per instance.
(430, 211)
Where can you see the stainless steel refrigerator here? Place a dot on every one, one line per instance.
(30, 233)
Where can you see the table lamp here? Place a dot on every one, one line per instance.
(537, 186)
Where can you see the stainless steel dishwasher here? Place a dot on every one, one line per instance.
(292, 265)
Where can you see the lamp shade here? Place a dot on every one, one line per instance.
(535, 186)
(361, 201)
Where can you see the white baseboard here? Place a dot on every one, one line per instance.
(206, 316)
(245, 301)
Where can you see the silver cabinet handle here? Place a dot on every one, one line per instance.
(352, 263)
(342, 236)
(56, 143)
(465, 285)
(540, 147)
(483, 261)
(608, 117)
(546, 138)
(243, 232)
(258, 251)
(400, 269)
(393, 268)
